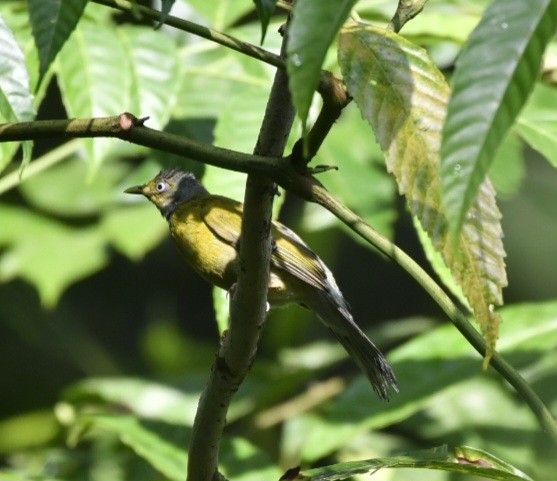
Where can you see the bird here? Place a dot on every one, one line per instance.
(206, 229)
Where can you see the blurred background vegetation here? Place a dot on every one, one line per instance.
(99, 314)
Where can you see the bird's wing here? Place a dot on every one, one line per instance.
(291, 254)
(223, 216)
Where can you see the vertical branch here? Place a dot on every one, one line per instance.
(249, 301)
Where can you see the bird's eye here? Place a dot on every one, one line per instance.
(161, 186)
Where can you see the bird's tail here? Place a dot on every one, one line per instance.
(336, 316)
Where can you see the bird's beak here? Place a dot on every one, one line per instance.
(136, 189)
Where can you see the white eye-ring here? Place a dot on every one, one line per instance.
(161, 187)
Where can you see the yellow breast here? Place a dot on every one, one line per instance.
(211, 256)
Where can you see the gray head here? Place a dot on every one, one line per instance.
(169, 189)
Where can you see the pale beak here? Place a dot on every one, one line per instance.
(136, 189)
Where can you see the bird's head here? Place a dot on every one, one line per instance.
(169, 189)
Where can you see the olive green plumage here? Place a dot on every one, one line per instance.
(206, 229)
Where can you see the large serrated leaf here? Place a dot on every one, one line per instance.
(16, 101)
(313, 28)
(95, 81)
(404, 96)
(494, 76)
(52, 22)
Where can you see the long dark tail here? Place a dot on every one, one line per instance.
(339, 320)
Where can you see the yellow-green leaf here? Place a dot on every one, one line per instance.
(404, 97)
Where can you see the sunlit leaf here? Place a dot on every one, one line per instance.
(361, 165)
(426, 367)
(63, 189)
(209, 68)
(151, 441)
(494, 75)
(95, 81)
(27, 431)
(462, 459)
(133, 230)
(403, 96)
(313, 28)
(18, 20)
(46, 253)
(16, 101)
(164, 447)
(155, 73)
(537, 124)
(53, 21)
(146, 399)
(220, 14)
(508, 170)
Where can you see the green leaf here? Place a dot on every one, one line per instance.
(52, 22)
(151, 441)
(48, 254)
(443, 24)
(426, 367)
(154, 71)
(95, 81)
(221, 304)
(265, 10)
(314, 27)
(494, 75)
(537, 124)
(462, 459)
(436, 261)
(16, 101)
(507, 170)
(27, 431)
(220, 14)
(210, 68)
(134, 230)
(241, 460)
(18, 20)
(240, 119)
(403, 96)
(63, 190)
(146, 399)
(361, 165)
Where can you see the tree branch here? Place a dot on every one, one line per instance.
(127, 127)
(195, 29)
(248, 305)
